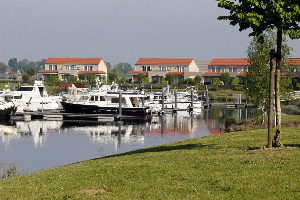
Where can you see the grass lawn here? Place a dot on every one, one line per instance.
(227, 166)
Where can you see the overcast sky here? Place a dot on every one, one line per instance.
(119, 30)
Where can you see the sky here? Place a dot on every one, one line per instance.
(119, 30)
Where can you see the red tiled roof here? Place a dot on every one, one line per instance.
(137, 72)
(242, 73)
(91, 72)
(176, 73)
(164, 61)
(83, 61)
(293, 61)
(230, 61)
(48, 71)
(211, 73)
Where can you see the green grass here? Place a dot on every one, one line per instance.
(227, 166)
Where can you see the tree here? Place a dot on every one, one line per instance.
(3, 67)
(170, 78)
(257, 78)
(13, 63)
(109, 67)
(198, 79)
(260, 15)
(26, 78)
(216, 81)
(225, 77)
(141, 77)
(112, 76)
(31, 72)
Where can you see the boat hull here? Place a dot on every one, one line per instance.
(6, 111)
(94, 109)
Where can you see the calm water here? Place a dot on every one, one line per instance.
(36, 145)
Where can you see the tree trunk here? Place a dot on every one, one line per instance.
(271, 98)
(277, 138)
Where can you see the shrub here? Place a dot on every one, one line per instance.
(234, 81)
(216, 81)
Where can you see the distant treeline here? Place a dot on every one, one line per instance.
(22, 65)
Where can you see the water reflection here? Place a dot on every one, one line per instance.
(43, 144)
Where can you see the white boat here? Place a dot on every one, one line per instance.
(33, 98)
(184, 100)
(7, 106)
(108, 103)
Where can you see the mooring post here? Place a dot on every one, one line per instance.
(192, 99)
(162, 101)
(175, 94)
(120, 104)
(206, 95)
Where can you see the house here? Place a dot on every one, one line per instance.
(157, 68)
(236, 67)
(65, 68)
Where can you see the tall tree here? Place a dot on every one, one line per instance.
(257, 77)
(3, 67)
(225, 77)
(170, 78)
(13, 63)
(260, 15)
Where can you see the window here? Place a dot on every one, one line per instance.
(70, 67)
(146, 68)
(163, 68)
(232, 69)
(88, 68)
(215, 69)
(181, 69)
(52, 67)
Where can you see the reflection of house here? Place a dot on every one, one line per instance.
(235, 67)
(65, 68)
(157, 68)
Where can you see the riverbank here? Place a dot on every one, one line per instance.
(226, 166)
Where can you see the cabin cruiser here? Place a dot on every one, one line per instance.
(33, 98)
(104, 102)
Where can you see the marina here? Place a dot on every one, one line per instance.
(38, 144)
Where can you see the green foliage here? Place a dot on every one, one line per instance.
(198, 79)
(13, 63)
(170, 78)
(123, 80)
(225, 77)
(3, 67)
(234, 81)
(262, 15)
(92, 79)
(258, 76)
(82, 77)
(31, 72)
(141, 77)
(73, 79)
(190, 81)
(146, 80)
(26, 78)
(163, 81)
(214, 88)
(112, 76)
(122, 69)
(216, 81)
(54, 80)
